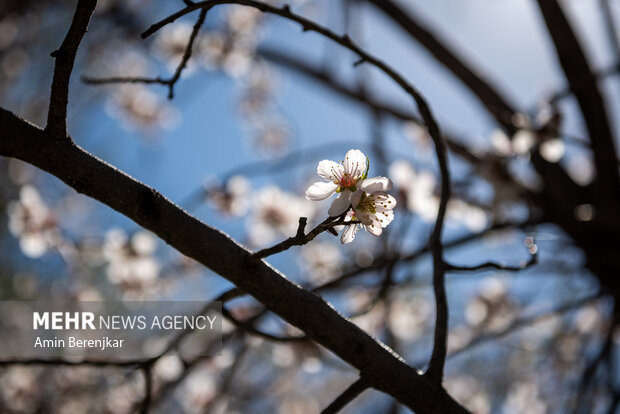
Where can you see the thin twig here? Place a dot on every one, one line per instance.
(301, 238)
(169, 82)
(65, 58)
(346, 397)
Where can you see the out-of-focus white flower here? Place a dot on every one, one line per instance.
(19, 389)
(275, 213)
(259, 86)
(272, 135)
(221, 51)
(171, 43)
(233, 198)
(523, 397)
(581, 169)
(322, 261)
(33, 223)
(408, 317)
(131, 262)
(243, 20)
(469, 392)
(552, 150)
(196, 391)
(418, 189)
(137, 106)
(373, 210)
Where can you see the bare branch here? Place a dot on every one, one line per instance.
(346, 397)
(65, 57)
(584, 86)
(489, 95)
(169, 82)
(494, 265)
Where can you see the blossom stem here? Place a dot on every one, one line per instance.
(301, 237)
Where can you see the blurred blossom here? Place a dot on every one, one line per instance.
(171, 43)
(20, 172)
(469, 392)
(409, 317)
(500, 143)
(33, 223)
(299, 404)
(491, 309)
(581, 169)
(523, 141)
(275, 213)
(588, 319)
(282, 355)
(259, 87)
(8, 33)
(272, 135)
(219, 51)
(19, 389)
(321, 260)
(196, 391)
(168, 368)
(243, 20)
(419, 136)
(552, 150)
(131, 264)
(233, 198)
(123, 396)
(418, 190)
(15, 62)
(136, 106)
(523, 398)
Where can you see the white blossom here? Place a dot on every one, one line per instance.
(33, 223)
(373, 210)
(275, 213)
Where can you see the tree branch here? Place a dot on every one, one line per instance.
(301, 238)
(65, 57)
(488, 94)
(169, 82)
(85, 173)
(346, 397)
(583, 84)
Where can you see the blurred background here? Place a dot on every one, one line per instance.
(259, 104)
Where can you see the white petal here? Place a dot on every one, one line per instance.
(374, 228)
(384, 202)
(348, 234)
(355, 163)
(340, 204)
(330, 170)
(320, 191)
(374, 185)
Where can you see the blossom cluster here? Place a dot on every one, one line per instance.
(360, 199)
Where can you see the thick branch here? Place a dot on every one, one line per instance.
(583, 83)
(65, 57)
(488, 94)
(88, 175)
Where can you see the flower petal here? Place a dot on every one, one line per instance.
(348, 234)
(374, 228)
(320, 191)
(384, 202)
(341, 204)
(330, 170)
(373, 185)
(355, 163)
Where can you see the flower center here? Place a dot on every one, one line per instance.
(366, 204)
